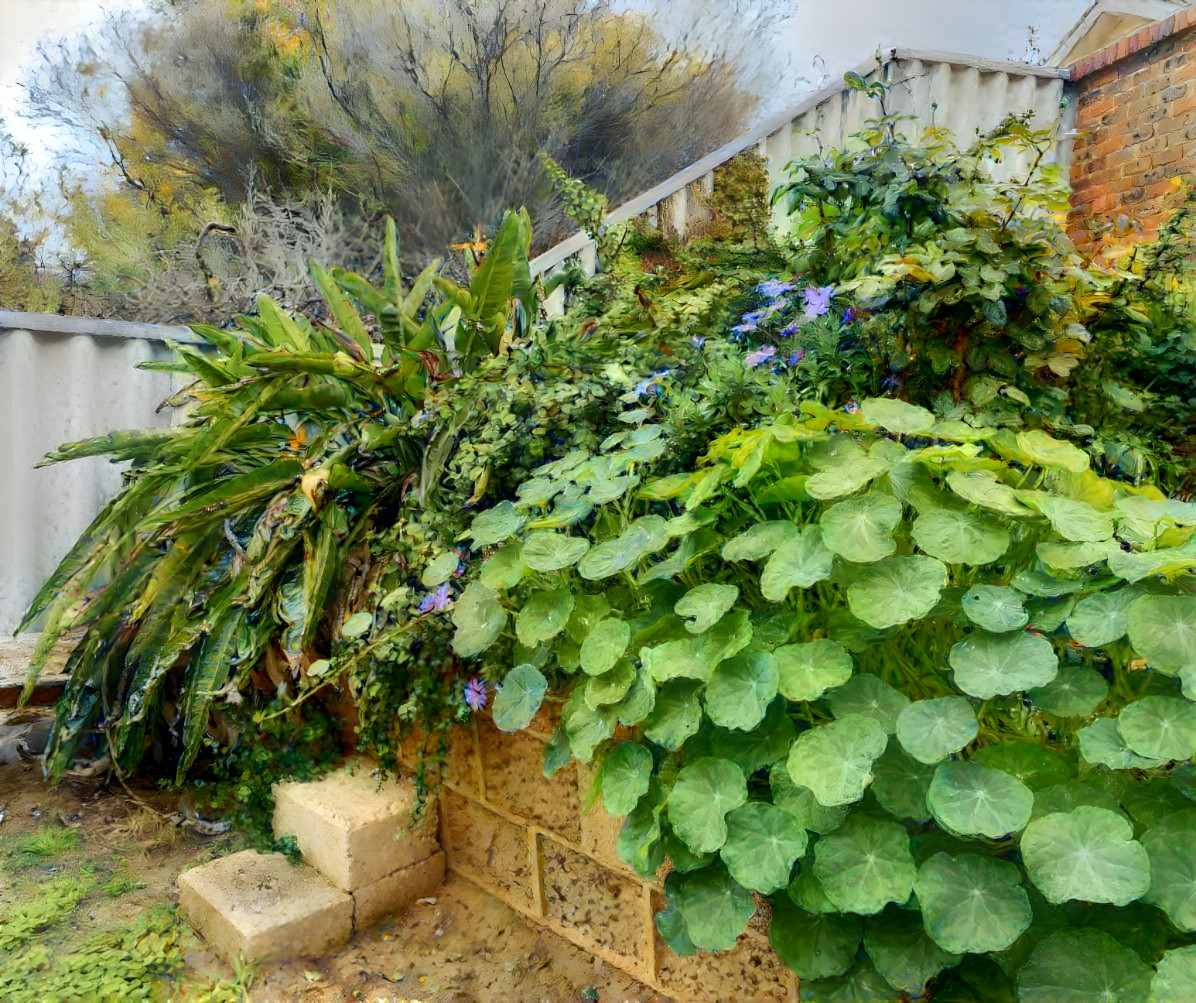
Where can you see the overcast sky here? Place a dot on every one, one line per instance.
(824, 37)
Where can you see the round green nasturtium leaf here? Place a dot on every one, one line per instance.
(871, 696)
(845, 477)
(809, 669)
(545, 551)
(981, 487)
(543, 616)
(861, 529)
(587, 611)
(759, 541)
(1073, 520)
(1162, 630)
(504, 568)
(902, 952)
(638, 843)
(604, 646)
(704, 792)
(1088, 854)
(974, 800)
(675, 715)
(1047, 451)
(715, 908)
(1074, 555)
(495, 524)
(440, 569)
(357, 624)
(740, 690)
(862, 983)
(987, 665)
(479, 618)
(586, 727)
(930, 730)
(797, 563)
(1082, 966)
(624, 777)
(900, 783)
(896, 416)
(763, 842)
(959, 537)
(1102, 744)
(522, 693)
(834, 760)
(1175, 976)
(865, 864)
(760, 747)
(1172, 852)
(1100, 619)
(638, 702)
(1033, 764)
(806, 892)
(1075, 692)
(705, 604)
(896, 590)
(619, 554)
(1065, 797)
(1159, 727)
(801, 803)
(814, 946)
(671, 926)
(610, 687)
(972, 904)
(997, 608)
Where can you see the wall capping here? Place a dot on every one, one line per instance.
(1152, 34)
(94, 327)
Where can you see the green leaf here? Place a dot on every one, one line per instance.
(995, 607)
(619, 554)
(1159, 727)
(1100, 619)
(357, 624)
(987, 665)
(1175, 975)
(897, 416)
(900, 783)
(610, 687)
(440, 569)
(896, 590)
(546, 551)
(1172, 853)
(1040, 448)
(1088, 854)
(1035, 765)
(715, 908)
(1074, 555)
(676, 714)
(981, 487)
(865, 864)
(930, 730)
(974, 800)
(638, 843)
(700, 799)
(604, 646)
(898, 945)
(763, 843)
(1102, 744)
(801, 803)
(799, 562)
(871, 696)
(639, 700)
(1082, 966)
(760, 747)
(516, 703)
(759, 541)
(807, 670)
(696, 657)
(543, 616)
(861, 529)
(495, 524)
(959, 537)
(740, 690)
(624, 777)
(586, 727)
(705, 604)
(1162, 630)
(1073, 520)
(846, 476)
(479, 619)
(834, 760)
(972, 904)
(503, 569)
(813, 946)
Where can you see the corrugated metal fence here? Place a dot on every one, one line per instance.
(66, 378)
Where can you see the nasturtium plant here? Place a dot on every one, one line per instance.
(1086, 853)
(972, 904)
(930, 730)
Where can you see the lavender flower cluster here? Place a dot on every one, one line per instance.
(816, 301)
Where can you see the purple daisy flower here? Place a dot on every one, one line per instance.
(475, 694)
(743, 328)
(789, 331)
(818, 300)
(762, 354)
(797, 356)
(774, 287)
(849, 315)
(438, 600)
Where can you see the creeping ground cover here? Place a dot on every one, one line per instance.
(858, 562)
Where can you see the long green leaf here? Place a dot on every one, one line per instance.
(343, 312)
(205, 675)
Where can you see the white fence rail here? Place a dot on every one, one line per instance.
(67, 378)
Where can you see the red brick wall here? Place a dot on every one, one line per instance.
(1136, 109)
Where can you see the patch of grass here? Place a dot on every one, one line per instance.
(120, 884)
(33, 848)
(34, 913)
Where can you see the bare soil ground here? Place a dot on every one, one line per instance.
(461, 946)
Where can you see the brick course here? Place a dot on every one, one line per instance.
(1136, 116)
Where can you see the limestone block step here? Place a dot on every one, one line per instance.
(353, 830)
(260, 905)
(397, 892)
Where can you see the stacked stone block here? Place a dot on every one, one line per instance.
(1136, 112)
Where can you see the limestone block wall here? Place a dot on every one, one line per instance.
(1136, 113)
(529, 841)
